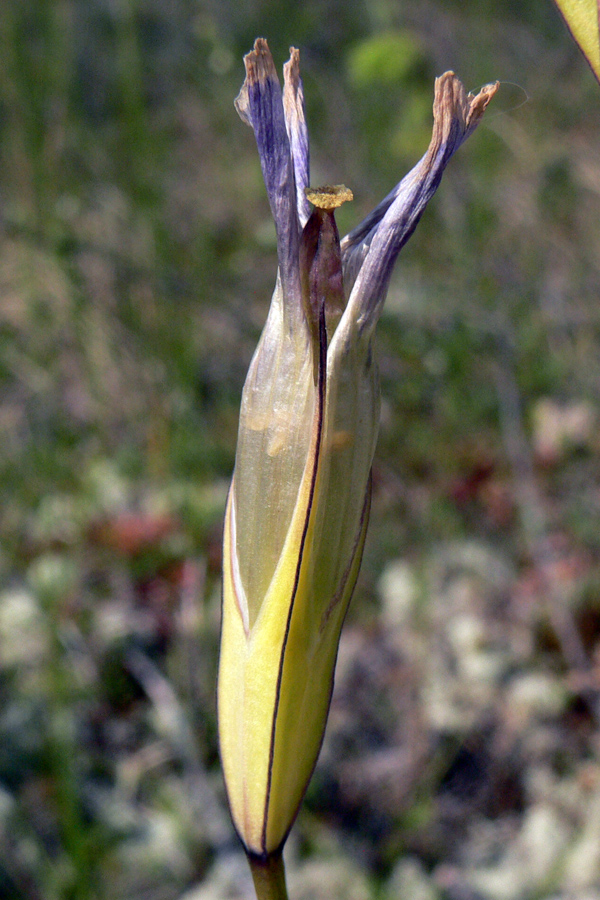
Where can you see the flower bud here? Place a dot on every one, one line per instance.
(299, 501)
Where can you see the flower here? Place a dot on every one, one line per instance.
(299, 501)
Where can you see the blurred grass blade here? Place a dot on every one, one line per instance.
(581, 17)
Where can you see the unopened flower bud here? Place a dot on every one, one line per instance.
(299, 501)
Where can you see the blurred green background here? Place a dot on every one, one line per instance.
(137, 260)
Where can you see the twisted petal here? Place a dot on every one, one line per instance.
(260, 105)
(369, 252)
(295, 120)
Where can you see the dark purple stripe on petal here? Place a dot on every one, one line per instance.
(260, 104)
(295, 119)
(370, 251)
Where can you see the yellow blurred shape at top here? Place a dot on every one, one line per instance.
(581, 17)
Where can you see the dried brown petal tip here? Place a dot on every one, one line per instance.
(329, 196)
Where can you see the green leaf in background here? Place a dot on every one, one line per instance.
(581, 17)
(385, 58)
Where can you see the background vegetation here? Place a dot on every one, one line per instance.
(137, 260)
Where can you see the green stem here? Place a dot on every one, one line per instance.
(269, 877)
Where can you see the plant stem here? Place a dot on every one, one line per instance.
(269, 877)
